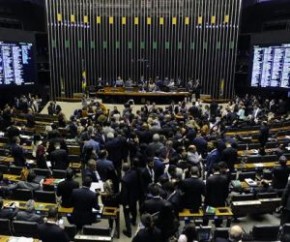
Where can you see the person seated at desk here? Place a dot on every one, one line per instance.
(65, 188)
(152, 87)
(29, 184)
(235, 235)
(119, 82)
(51, 230)
(7, 212)
(29, 214)
(129, 82)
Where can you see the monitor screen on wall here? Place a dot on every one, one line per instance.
(17, 67)
(271, 66)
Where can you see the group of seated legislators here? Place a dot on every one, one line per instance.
(157, 163)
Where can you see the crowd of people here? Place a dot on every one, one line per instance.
(160, 160)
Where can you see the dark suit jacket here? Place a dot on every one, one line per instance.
(51, 232)
(131, 187)
(29, 216)
(146, 179)
(59, 159)
(105, 168)
(8, 213)
(145, 235)
(153, 205)
(230, 156)
(175, 200)
(18, 154)
(83, 201)
(64, 189)
(91, 174)
(217, 190)
(192, 189)
(114, 148)
(280, 177)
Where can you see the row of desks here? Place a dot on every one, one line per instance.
(5, 238)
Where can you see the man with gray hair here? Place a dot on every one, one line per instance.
(235, 235)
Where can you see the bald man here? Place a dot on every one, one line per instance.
(235, 235)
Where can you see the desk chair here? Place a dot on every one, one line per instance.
(71, 231)
(15, 170)
(22, 194)
(203, 233)
(45, 196)
(4, 152)
(269, 158)
(5, 226)
(26, 229)
(243, 197)
(265, 232)
(247, 174)
(221, 233)
(3, 169)
(42, 172)
(60, 174)
(96, 230)
(267, 195)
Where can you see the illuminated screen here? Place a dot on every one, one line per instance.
(271, 66)
(16, 63)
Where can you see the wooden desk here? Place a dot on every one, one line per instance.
(254, 166)
(6, 159)
(257, 206)
(5, 238)
(141, 97)
(26, 147)
(13, 178)
(220, 212)
(107, 212)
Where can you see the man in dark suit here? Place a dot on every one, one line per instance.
(83, 201)
(154, 204)
(217, 188)
(129, 196)
(105, 167)
(214, 157)
(50, 230)
(17, 152)
(174, 196)
(192, 189)
(65, 188)
(230, 156)
(8, 213)
(114, 147)
(91, 171)
(280, 174)
(59, 158)
(149, 232)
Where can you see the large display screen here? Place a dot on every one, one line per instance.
(271, 66)
(16, 63)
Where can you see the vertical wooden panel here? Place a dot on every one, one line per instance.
(187, 39)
